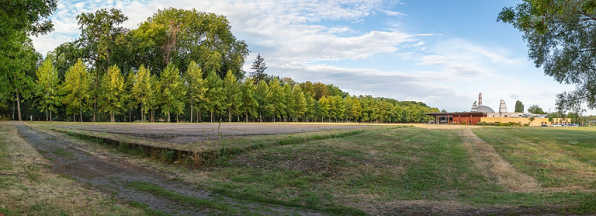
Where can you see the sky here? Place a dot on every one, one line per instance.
(439, 52)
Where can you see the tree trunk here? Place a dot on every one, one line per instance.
(211, 116)
(229, 114)
(142, 116)
(191, 111)
(81, 114)
(177, 118)
(246, 116)
(130, 115)
(238, 118)
(18, 103)
(168, 117)
(112, 117)
(152, 115)
(50, 115)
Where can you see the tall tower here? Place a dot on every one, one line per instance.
(480, 99)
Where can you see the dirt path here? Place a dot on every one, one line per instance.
(494, 166)
(115, 177)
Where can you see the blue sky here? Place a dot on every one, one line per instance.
(442, 53)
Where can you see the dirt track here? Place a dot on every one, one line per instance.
(189, 133)
(106, 174)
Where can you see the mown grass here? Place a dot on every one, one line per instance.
(556, 157)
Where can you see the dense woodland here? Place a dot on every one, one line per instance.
(178, 65)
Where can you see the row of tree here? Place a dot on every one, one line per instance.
(194, 95)
(178, 62)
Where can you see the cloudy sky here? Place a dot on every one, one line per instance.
(442, 52)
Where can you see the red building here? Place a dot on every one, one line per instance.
(469, 118)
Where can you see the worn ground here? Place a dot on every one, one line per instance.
(395, 169)
(130, 183)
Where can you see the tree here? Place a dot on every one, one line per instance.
(320, 90)
(143, 90)
(300, 104)
(278, 99)
(561, 37)
(519, 107)
(233, 98)
(173, 91)
(47, 88)
(214, 97)
(180, 36)
(98, 33)
(129, 102)
(17, 58)
(112, 92)
(76, 89)
(25, 17)
(289, 102)
(196, 87)
(311, 109)
(249, 98)
(535, 109)
(259, 66)
(263, 98)
(324, 106)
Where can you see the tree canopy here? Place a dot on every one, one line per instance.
(561, 37)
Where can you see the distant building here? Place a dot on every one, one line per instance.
(480, 113)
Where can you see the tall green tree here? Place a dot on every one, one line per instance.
(259, 66)
(519, 107)
(18, 58)
(173, 92)
(143, 90)
(311, 109)
(561, 38)
(25, 17)
(289, 102)
(300, 104)
(233, 98)
(215, 96)
(196, 88)
(263, 98)
(324, 107)
(112, 94)
(278, 99)
(76, 89)
(47, 89)
(180, 36)
(98, 33)
(250, 103)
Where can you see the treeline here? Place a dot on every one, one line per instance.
(179, 65)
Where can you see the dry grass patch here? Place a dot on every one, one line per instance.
(29, 187)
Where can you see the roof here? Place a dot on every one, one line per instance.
(485, 109)
(457, 114)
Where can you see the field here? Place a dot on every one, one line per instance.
(312, 169)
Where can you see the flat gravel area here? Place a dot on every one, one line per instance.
(182, 133)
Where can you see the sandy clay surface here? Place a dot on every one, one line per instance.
(190, 133)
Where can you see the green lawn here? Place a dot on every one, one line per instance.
(377, 169)
(556, 157)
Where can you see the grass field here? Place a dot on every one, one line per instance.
(397, 169)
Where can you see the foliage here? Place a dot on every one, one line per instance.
(233, 98)
(535, 109)
(277, 99)
(47, 88)
(519, 107)
(172, 92)
(196, 86)
(25, 17)
(249, 103)
(76, 89)
(259, 66)
(112, 92)
(214, 96)
(561, 37)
